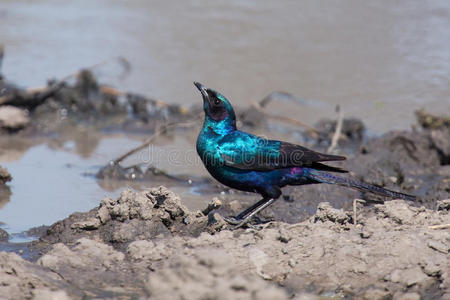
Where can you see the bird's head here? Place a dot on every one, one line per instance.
(217, 108)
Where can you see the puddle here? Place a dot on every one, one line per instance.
(49, 183)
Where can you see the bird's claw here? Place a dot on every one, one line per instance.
(232, 220)
(238, 223)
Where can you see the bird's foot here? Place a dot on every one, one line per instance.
(232, 220)
(244, 222)
(237, 223)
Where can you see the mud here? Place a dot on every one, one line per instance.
(148, 244)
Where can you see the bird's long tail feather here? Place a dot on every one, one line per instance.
(324, 177)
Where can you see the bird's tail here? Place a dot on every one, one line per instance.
(324, 177)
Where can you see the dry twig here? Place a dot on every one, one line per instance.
(337, 132)
(442, 226)
(260, 107)
(355, 203)
(148, 141)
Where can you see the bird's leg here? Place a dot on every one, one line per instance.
(238, 218)
(254, 212)
(242, 218)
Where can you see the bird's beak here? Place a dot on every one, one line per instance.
(203, 90)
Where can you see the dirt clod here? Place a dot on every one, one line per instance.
(13, 118)
(325, 212)
(4, 175)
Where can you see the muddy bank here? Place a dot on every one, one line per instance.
(148, 244)
(81, 99)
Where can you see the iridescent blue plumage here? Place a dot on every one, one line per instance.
(250, 163)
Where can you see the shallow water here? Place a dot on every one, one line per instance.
(380, 60)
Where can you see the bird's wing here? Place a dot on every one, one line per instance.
(249, 152)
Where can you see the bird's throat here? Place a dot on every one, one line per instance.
(223, 127)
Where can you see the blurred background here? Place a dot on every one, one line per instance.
(378, 60)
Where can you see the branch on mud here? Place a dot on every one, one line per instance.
(263, 103)
(148, 141)
(337, 133)
(442, 226)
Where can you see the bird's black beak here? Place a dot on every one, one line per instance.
(203, 90)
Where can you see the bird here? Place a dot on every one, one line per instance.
(251, 163)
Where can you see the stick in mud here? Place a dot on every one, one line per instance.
(442, 226)
(337, 132)
(355, 208)
(148, 141)
(263, 103)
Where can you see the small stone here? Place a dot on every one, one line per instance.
(365, 234)
(13, 118)
(292, 262)
(443, 204)
(284, 236)
(393, 179)
(4, 175)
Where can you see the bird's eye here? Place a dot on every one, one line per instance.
(216, 101)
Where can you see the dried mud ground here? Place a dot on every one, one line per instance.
(148, 245)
